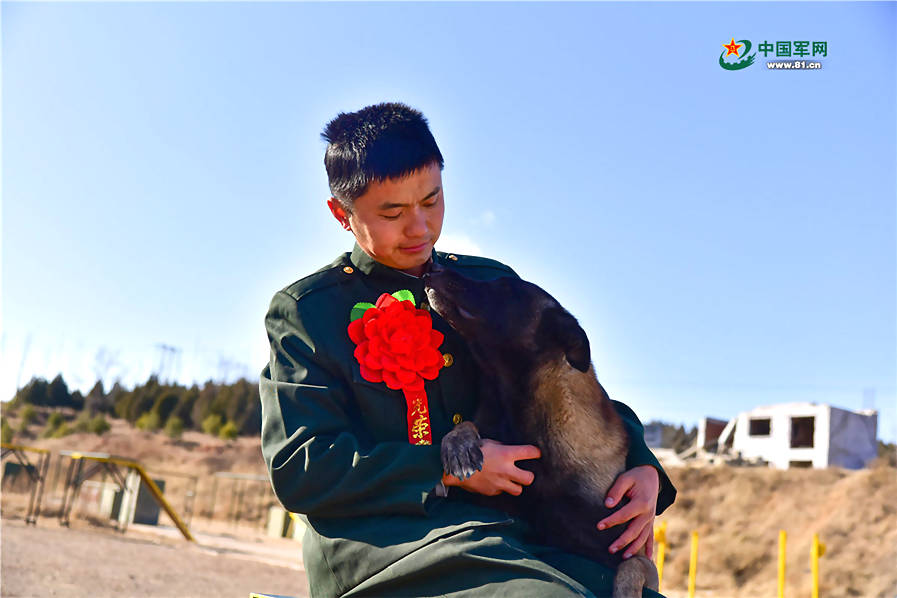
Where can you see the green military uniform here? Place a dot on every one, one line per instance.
(337, 451)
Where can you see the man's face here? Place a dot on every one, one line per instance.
(397, 221)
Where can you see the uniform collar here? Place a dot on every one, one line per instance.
(371, 267)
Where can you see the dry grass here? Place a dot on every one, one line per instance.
(738, 513)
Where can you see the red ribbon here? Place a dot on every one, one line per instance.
(396, 344)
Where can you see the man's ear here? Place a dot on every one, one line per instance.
(338, 212)
(559, 327)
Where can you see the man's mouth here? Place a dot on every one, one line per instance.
(414, 248)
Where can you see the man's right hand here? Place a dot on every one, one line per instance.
(500, 472)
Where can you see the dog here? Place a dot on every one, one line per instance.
(541, 389)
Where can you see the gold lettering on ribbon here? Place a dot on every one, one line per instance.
(420, 420)
(419, 430)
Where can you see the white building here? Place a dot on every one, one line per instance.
(804, 435)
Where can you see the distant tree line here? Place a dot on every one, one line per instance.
(225, 410)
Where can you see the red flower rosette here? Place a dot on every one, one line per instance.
(396, 345)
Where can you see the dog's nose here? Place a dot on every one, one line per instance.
(435, 268)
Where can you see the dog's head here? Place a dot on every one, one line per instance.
(507, 320)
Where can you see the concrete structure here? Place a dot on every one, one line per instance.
(136, 504)
(709, 429)
(282, 524)
(804, 435)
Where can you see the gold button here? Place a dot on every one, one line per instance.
(456, 419)
(453, 257)
(447, 359)
(348, 270)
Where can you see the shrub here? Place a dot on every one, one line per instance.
(99, 425)
(54, 422)
(6, 431)
(29, 415)
(62, 430)
(174, 427)
(212, 424)
(228, 431)
(149, 421)
(82, 422)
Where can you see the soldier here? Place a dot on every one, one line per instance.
(341, 449)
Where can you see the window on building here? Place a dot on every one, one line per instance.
(800, 464)
(802, 429)
(759, 426)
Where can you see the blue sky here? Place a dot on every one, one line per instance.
(726, 238)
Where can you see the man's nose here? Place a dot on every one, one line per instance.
(417, 225)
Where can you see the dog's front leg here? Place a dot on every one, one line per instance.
(460, 450)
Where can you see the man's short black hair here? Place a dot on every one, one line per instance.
(379, 142)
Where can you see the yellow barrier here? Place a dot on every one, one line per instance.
(782, 538)
(693, 565)
(153, 488)
(157, 494)
(816, 550)
(36, 473)
(22, 447)
(660, 538)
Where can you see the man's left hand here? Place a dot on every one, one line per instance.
(641, 485)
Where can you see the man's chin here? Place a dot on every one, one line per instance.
(414, 261)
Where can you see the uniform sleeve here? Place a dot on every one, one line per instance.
(640, 454)
(317, 464)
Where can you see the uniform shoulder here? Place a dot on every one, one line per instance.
(330, 275)
(475, 262)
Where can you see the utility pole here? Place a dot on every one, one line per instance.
(168, 356)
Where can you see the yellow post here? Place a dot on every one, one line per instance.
(660, 538)
(693, 565)
(781, 563)
(816, 551)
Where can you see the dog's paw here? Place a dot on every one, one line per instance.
(461, 453)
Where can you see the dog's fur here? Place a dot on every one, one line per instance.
(541, 389)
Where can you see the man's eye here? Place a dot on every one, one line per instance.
(430, 205)
(388, 217)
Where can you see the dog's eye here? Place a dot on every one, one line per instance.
(465, 314)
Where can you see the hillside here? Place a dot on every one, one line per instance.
(738, 513)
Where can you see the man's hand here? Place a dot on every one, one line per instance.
(641, 485)
(499, 473)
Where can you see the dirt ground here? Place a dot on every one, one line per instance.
(48, 560)
(737, 513)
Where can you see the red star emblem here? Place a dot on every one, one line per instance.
(732, 47)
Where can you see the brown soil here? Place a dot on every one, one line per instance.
(737, 513)
(46, 560)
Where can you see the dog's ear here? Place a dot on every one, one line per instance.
(559, 327)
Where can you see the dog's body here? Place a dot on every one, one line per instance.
(543, 390)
